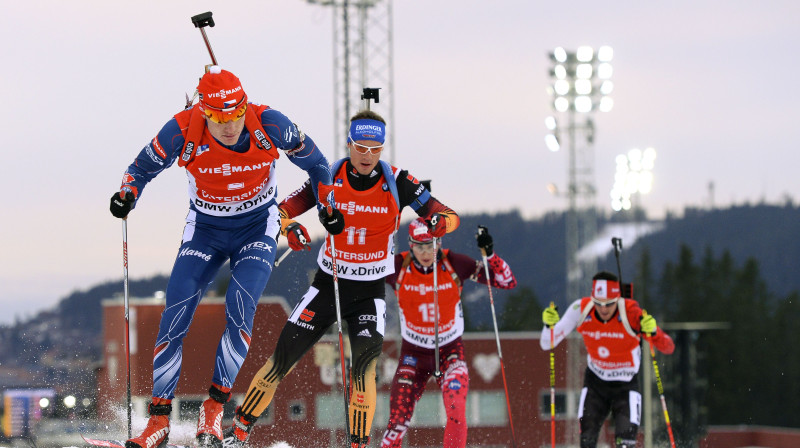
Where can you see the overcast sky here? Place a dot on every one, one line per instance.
(86, 84)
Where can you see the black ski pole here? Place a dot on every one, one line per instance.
(201, 21)
(371, 93)
(345, 386)
(482, 230)
(438, 371)
(617, 242)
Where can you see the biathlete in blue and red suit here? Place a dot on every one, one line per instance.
(370, 195)
(413, 285)
(612, 329)
(229, 148)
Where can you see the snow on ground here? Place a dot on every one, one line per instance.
(600, 246)
(180, 432)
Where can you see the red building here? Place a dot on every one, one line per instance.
(308, 408)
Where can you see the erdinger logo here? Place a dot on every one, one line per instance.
(368, 127)
(223, 93)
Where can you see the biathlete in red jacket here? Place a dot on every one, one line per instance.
(229, 148)
(413, 285)
(370, 195)
(612, 327)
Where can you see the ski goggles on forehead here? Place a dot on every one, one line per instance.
(364, 149)
(225, 115)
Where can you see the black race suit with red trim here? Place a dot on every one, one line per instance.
(370, 209)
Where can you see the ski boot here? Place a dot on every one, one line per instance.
(358, 442)
(236, 436)
(156, 433)
(209, 423)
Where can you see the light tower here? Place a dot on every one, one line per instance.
(580, 86)
(362, 57)
(633, 178)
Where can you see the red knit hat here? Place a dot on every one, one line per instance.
(222, 97)
(418, 232)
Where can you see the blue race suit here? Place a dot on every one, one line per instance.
(242, 228)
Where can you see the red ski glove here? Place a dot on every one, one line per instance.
(296, 235)
(437, 225)
(325, 197)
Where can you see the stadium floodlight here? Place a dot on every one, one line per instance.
(551, 139)
(634, 176)
(581, 79)
(580, 85)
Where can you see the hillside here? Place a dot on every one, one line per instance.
(533, 248)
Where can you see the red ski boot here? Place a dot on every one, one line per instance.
(237, 435)
(209, 423)
(156, 433)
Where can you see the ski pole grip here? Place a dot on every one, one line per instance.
(202, 20)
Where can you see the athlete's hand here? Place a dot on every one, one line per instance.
(648, 323)
(325, 197)
(334, 222)
(122, 203)
(437, 225)
(485, 242)
(550, 315)
(296, 235)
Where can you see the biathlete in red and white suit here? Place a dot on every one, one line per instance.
(229, 147)
(612, 328)
(413, 285)
(370, 195)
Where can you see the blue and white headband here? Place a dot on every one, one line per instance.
(367, 129)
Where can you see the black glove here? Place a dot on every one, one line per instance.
(485, 240)
(120, 207)
(333, 223)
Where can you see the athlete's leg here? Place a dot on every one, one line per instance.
(199, 258)
(252, 258)
(626, 410)
(408, 385)
(252, 252)
(366, 321)
(455, 385)
(592, 411)
(197, 262)
(307, 323)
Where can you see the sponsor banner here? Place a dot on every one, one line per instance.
(236, 204)
(425, 340)
(357, 271)
(616, 370)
